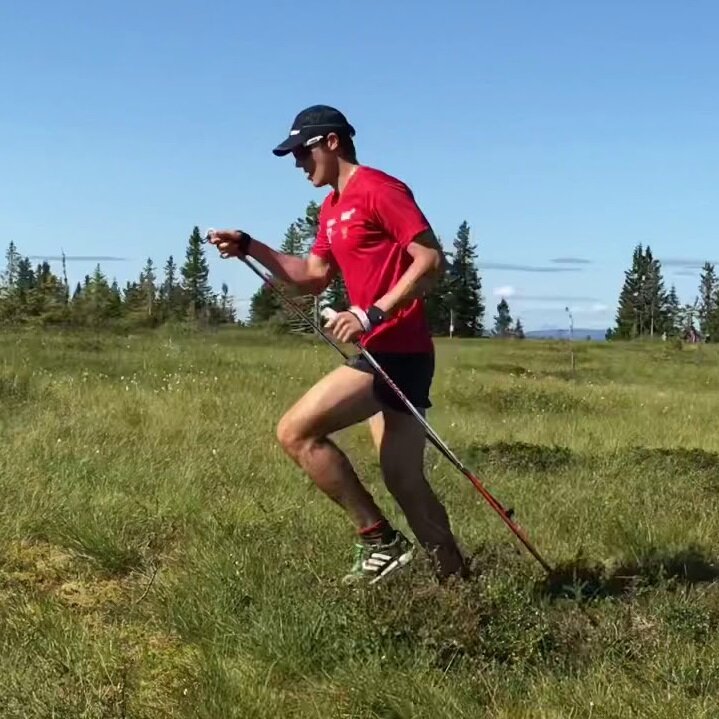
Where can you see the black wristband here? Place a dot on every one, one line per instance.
(376, 316)
(244, 242)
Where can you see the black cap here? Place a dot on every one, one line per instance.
(312, 122)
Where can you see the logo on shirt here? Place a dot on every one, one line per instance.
(330, 229)
(346, 216)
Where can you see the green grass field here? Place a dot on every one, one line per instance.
(160, 557)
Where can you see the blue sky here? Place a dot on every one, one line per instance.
(556, 129)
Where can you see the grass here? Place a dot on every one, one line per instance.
(160, 557)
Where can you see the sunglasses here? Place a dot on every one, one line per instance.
(306, 148)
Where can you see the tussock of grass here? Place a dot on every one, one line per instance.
(520, 456)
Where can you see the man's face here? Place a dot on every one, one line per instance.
(319, 161)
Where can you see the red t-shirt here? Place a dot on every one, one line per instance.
(364, 232)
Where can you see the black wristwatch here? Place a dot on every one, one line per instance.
(376, 316)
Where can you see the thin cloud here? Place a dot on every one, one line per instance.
(555, 298)
(78, 258)
(510, 291)
(571, 261)
(686, 263)
(686, 273)
(525, 268)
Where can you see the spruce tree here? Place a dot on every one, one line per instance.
(653, 295)
(148, 287)
(12, 267)
(627, 321)
(227, 311)
(502, 320)
(307, 227)
(518, 330)
(296, 242)
(170, 294)
(672, 313)
(466, 293)
(25, 276)
(195, 273)
(264, 305)
(95, 303)
(708, 289)
(712, 329)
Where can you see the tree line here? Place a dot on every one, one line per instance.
(174, 293)
(647, 309)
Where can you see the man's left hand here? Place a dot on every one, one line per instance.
(345, 327)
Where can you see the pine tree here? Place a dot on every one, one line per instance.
(12, 265)
(227, 311)
(712, 329)
(518, 330)
(502, 320)
(466, 298)
(195, 273)
(627, 322)
(45, 293)
(672, 313)
(307, 226)
(294, 242)
(170, 292)
(100, 303)
(642, 308)
(708, 287)
(264, 305)
(148, 287)
(653, 296)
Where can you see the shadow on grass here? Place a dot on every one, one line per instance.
(584, 580)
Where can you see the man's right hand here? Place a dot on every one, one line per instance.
(228, 242)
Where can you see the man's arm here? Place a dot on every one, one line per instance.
(311, 274)
(427, 267)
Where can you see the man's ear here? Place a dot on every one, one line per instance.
(332, 141)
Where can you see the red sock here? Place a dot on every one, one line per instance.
(380, 532)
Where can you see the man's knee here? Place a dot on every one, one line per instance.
(292, 436)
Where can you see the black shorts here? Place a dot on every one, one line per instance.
(411, 372)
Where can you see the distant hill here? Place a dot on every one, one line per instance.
(563, 334)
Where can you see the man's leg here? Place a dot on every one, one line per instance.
(400, 441)
(342, 398)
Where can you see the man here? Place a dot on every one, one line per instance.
(370, 230)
